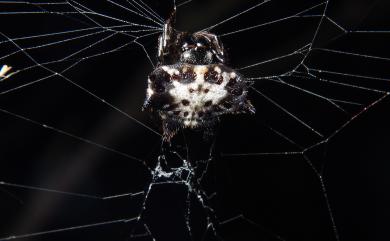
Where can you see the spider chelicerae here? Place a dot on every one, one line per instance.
(192, 85)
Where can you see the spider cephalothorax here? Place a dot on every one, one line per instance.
(191, 86)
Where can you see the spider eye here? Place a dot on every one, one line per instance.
(188, 42)
(202, 42)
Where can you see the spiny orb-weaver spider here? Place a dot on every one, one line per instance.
(191, 85)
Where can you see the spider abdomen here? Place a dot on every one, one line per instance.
(195, 95)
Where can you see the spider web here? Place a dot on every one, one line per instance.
(81, 161)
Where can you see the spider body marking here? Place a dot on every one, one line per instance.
(191, 87)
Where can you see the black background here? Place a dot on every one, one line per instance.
(281, 193)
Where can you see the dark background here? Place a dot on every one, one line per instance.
(281, 193)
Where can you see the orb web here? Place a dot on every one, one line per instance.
(80, 160)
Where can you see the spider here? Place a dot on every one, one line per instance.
(191, 87)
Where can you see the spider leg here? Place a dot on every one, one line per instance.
(170, 129)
